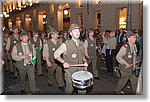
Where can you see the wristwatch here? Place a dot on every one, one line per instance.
(63, 62)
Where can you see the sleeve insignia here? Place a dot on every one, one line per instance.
(125, 46)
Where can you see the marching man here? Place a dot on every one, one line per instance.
(73, 52)
(22, 53)
(126, 57)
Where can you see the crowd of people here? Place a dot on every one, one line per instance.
(121, 50)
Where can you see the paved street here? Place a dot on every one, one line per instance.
(104, 86)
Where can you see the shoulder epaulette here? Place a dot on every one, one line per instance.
(66, 41)
(125, 46)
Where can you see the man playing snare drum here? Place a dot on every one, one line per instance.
(73, 52)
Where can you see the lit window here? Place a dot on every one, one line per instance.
(52, 8)
(122, 17)
(98, 1)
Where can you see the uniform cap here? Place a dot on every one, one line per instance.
(23, 33)
(52, 31)
(35, 32)
(91, 30)
(73, 26)
(130, 33)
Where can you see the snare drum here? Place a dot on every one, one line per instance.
(82, 79)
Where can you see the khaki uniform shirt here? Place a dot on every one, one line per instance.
(46, 49)
(112, 42)
(73, 53)
(122, 52)
(61, 50)
(8, 44)
(16, 57)
(86, 46)
(35, 39)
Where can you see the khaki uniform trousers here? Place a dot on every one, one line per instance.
(92, 61)
(6, 64)
(123, 80)
(29, 70)
(59, 75)
(39, 64)
(68, 78)
(10, 63)
(12, 66)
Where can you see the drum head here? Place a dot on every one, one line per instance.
(82, 75)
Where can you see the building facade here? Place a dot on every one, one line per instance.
(95, 14)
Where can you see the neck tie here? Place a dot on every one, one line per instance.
(24, 45)
(55, 43)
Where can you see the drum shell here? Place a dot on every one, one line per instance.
(82, 83)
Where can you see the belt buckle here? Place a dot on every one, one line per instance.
(27, 64)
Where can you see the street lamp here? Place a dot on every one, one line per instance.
(19, 21)
(66, 12)
(4, 14)
(29, 19)
(44, 16)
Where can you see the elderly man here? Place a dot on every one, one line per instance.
(22, 53)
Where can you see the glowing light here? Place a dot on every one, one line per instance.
(30, 0)
(66, 12)
(1, 15)
(44, 22)
(4, 13)
(30, 19)
(44, 16)
(3, 28)
(19, 21)
(7, 15)
(122, 20)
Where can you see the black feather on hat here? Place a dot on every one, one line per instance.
(23, 33)
(49, 29)
(52, 31)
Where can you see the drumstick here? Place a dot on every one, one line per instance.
(135, 63)
(68, 73)
(77, 65)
